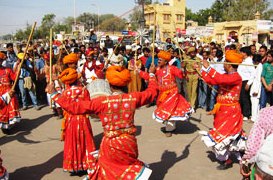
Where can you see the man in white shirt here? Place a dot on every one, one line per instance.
(245, 72)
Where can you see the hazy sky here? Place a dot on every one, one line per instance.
(16, 13)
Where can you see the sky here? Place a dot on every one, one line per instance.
(15, 14)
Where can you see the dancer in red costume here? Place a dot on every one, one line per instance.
(118, 154)
(4, 101)
(78, 136)
(171, 106)
(9, 114)
(227, 135)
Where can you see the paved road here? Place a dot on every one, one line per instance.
(33, 151)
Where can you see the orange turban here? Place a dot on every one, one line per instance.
(233, 57)
(164, 55)
(2, 56)
(118, 76)
(69, 76)
(71, 58)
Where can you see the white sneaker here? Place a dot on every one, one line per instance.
(245, 118)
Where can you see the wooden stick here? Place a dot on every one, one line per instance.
(221, 63)
(135, 65)
(177, 44)
(64, 47)
(50, 61)
(116, 47)
(153, 47)
(50, 56)
(22, 61)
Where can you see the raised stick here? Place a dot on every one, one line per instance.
(22, 61)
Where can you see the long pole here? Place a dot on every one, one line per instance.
(50, 61)
(153, 47)
(222, 63)
(98, 13)
(135, 64)
(50, 56)
(25, 52)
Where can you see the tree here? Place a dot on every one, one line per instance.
(58, 27)
(238, 10)
(7, 37)
(135, 17)
(48, 20)
(118, 25)
(201, 16)
(47, 23)
(88, 19)
(217, 10)
(190, 15)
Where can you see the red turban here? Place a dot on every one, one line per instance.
(233, 57)
(118, 76)
(46, 57)
(69, 76)
(2, 56)
(71, 58)
(167, 56)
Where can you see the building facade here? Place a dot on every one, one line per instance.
(167, 18)
(245, 31)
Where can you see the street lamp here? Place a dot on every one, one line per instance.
(98, 12)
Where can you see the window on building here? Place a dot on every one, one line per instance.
(166, 17)
(179, 17)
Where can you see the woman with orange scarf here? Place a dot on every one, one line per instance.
(227, 135)
(77, 132)
(171, 106)
(118, 154)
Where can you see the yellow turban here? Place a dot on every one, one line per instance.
(191, 49)
(71, 58)
(167, 56)
(69, 76)
(118, 76)
(2, 56)
(20, 55)
(233, 57)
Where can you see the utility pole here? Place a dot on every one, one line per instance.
(142, 18)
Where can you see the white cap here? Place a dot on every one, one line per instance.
(135, 48)
(128, 47)
(198, 39)
(117, 60)
(154, 44)
(188, 39)
(232, 40)
(146, 41)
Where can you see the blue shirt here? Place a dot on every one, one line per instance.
(25, 73)
(11, 59)
(40, 64)
(149, 62)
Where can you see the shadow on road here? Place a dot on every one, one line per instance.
(185, 127)
(40, 170)
(168, 159)
(24, 128)
(211, 156)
